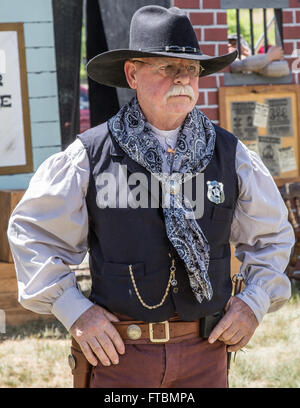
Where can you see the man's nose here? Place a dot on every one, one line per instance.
(182, 76)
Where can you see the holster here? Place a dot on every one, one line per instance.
(81, 368)
(208, 323)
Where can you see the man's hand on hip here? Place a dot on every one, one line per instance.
(236, 327)
(96, 336)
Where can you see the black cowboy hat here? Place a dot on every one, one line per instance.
(155, 32)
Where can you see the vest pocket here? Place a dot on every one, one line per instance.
(222, 214)
(114, 290)
(218, 230)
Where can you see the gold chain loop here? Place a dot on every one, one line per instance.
(172, 277)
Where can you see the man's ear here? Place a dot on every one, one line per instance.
(130, 73)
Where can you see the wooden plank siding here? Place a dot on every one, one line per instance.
(37, 17)
(15, 314)
(13, 11)
(8, 201)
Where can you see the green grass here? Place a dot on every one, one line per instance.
(271, 358)
(35, 356)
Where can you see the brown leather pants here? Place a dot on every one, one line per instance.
(192, 363)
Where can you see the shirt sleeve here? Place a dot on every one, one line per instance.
(48, 231)
(260, 64)
(275, 69)
(251, 63)
(262, 235)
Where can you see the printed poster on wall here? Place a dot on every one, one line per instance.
(15, 138)
(287, 159)
(242, 116)
(280, 122)
(269, 153)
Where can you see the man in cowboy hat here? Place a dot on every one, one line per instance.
(160, 313)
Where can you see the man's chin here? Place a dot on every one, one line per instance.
(181, 102)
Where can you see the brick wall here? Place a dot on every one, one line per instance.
(291, 35)
(210, 24)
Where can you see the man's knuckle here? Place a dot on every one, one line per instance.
(97, 349)
(116, 339)
(103, 341)
(105, 324)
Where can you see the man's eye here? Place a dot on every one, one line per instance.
(165, 67)
(192, 68)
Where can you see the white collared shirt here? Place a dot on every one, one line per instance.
(167, 138)
(49, 227)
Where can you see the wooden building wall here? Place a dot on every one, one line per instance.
(37, 17)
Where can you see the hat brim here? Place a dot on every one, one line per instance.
(108, 68)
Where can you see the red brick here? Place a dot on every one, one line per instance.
(287, 17)
(221, 80)
(202, 18)
(288, 48)
(222, 49)
(212, 98)
(226, 69)
(209, 81)
(211, 113)
(211, 4)
(208, 49)
(215, 34)
(187, 3)
(291, 32)
(222, 18)
(201, 99)
(294, 4)
(297, 16)
(198, 33)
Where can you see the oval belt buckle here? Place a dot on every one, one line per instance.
(134, 332)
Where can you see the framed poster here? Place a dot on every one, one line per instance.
(15, 133)
(266, 119)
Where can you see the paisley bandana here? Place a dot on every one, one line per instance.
(193, 152)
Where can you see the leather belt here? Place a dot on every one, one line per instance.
(162, 332)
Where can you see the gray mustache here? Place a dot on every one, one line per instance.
(180, 90)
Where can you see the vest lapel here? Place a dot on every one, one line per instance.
(133, 167)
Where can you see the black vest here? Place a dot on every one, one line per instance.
(119, 237)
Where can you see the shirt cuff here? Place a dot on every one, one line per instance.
(69, 306)
(257, 299)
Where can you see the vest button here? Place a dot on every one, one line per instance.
(175, 290)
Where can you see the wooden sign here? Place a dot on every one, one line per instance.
(266, 120)
(15, 133)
